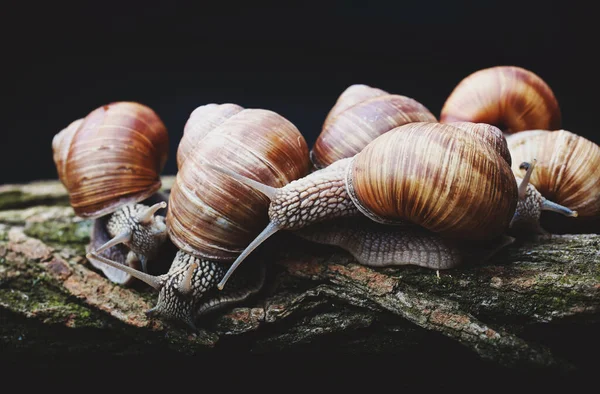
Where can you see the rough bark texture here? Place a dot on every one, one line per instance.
(535, 305)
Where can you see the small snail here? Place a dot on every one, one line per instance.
(511, 98)
(361, 114)
(211, 217)
(566, 171)
(110, 161)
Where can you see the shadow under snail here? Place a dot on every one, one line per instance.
(109, 162)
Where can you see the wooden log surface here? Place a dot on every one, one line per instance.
(535, 305)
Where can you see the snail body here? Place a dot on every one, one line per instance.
(511, 98)
(361, 114)
(212, 217)
(109, 162)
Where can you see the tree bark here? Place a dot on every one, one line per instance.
(534, 305)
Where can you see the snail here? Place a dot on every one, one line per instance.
(423, 173)
(511, 98)
(211, 217)
(361, 114)
(109, 162)
(566, 171)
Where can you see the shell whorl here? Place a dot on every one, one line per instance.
(436, 176)
(489, 134)
(512, 98)
(110, 158)
(202, 121)
(567, 167)
(214, 216)
(361, 114)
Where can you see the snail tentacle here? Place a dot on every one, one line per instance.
(156, 282)
(531, 203)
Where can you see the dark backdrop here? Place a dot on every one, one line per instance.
(63, 60)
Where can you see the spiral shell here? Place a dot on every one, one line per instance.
(111, 157)
(360, 115)
(213, 216)
(566, 170)
(489, 134)
(203, 120)
(509, 97)
(436, 176)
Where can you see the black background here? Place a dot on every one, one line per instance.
(66, 59)
(61, 60)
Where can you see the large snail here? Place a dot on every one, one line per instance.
(449, 179)
(511, 98)
(109, 162)
(360, 114)
(566, 172)
(212, 217)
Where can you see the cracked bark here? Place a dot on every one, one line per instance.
(534, 305)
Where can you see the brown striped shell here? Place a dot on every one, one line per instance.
(491, 135)
(213, 216)
(360, 115)
(566, 170)
(511, 98)
(112, 157)
(436, 176)
(203, 120)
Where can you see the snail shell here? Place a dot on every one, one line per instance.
(436, 176)
(213, 216)
(203, 120)
(511, 98)
(567, 168)
(361, 114)
(110, 158)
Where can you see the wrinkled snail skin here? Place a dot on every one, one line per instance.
(403, 175)
(377, 245)
(147, 241)
(109, 162)
(509, 97)
(211, 217)
(361, 114)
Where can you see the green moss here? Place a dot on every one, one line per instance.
(30, 297)
(12, 199)
(61, 232)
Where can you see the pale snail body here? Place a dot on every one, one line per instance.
(511, 98)
(211, 217)
(566, 171)
(377, 245)
(361, 114)
(110, 161)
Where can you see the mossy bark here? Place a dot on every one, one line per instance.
(535, 304)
